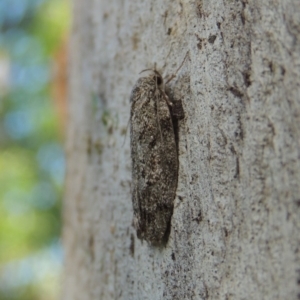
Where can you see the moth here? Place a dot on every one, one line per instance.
(154, 158)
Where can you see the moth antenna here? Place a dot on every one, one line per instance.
(153, 70)
(174, 75)
(146, 70)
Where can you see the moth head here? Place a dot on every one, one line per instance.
(158, 78)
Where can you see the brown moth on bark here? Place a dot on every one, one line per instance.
(154, 156)
(154, 159)
(153, 138)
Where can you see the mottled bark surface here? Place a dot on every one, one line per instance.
(235, 227)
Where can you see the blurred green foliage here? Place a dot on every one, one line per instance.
(31, 154)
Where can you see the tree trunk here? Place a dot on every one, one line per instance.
(235, 226)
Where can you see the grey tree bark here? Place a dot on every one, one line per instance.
(235, 227)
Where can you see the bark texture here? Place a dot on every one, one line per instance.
(236, 223)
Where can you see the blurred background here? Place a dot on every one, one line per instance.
(33, 59)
